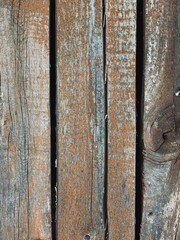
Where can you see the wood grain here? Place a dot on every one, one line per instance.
(161, 121)
(120, 75)
(24, 118)
(80, 120)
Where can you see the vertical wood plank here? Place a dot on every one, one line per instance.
(24, 118)
(80, 119)
(120, 75)
(161, 121)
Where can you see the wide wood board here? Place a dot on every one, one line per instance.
(80, 114)
(161, 121)
(25, 209)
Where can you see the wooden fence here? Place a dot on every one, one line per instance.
(90, 119)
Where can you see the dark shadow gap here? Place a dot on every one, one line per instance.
(105, 199)
(139, 117)
(53, 91)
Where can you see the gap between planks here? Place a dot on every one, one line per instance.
(139, 116)
(53, 102)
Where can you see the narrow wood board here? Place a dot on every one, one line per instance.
(25, 122)
(161, 118)
(80, 113)
(120, 75)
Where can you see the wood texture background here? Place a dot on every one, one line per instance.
(24, 117)
(96, 120)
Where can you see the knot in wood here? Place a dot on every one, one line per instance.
(161, 142)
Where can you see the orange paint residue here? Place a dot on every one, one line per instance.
(32, 15)
(26, 6)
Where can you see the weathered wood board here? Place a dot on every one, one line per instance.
(120, 77)
(80, 111)
(24, 120)
(161, 121)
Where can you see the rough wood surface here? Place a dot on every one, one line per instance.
(24, 118)
(80, 111)
(161, 121)
(120, 75)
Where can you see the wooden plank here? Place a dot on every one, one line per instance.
(161, 119)
(120, 75)
(80, 120)
(24, 117)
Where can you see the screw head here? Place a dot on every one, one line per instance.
(177, 93)
(87, 237)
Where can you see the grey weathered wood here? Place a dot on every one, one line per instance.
(161, 121)
(80, 98)
(177, 74)
(121, 75)
(24, 120)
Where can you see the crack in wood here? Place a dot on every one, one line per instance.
(105, 198)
